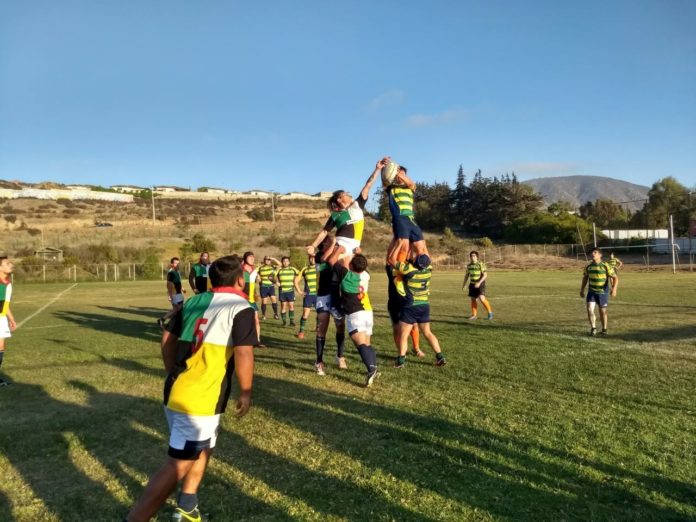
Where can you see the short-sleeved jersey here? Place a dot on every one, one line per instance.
(200, 277)
(353, 288)
(5, 296)
(613, 262)
(475, 271)
(416, 283)
(250, 276)
(209, 326)
(174, 277)
(598, 275)
(286, 278)
(400, 201)
(309, 275)
(393, 280)
(349, 222)
(266, 274)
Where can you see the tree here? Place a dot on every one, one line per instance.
(560, 207)
(666, 196)
(605, 213)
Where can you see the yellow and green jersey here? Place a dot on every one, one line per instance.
(267, 273)
(598, 275)
(209, 327)
(5, 297)
(250, 277)
(400, 201)
(475, 271)
(414, 284)
(309, 274)
(349, 222)
(353, 287)
(286, 278)
(613, 262)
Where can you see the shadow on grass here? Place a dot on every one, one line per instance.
(6, 508)
(659, 335)
(145, 330)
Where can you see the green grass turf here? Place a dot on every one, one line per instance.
(530, 420)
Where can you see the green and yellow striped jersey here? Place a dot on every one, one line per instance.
(415, 284)
(286, 278)
(309, 274)
(613, 262)
(400, 201)
(475, 271)
(267, 273)
(598, 275)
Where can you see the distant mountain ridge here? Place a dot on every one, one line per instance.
(581, 189)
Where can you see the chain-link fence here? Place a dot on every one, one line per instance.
(105, 272)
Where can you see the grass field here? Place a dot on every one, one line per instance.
(530, 420)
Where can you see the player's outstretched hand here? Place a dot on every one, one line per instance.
(243, 405)
(310, 250)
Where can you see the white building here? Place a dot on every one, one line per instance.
(130, 189)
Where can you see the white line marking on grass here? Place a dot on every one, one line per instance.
(20, 324)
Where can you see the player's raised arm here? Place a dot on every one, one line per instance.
(403, 179)
(365, 192)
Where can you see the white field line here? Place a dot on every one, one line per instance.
(20, 324)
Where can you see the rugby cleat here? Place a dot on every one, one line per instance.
(440, 362)
(418, 353)
(299, 335)
(341, 362)
(194, 515)
(319, 368)
(371, 376)
(593, 332)
(472, 317)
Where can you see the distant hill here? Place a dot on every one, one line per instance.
(581, 189)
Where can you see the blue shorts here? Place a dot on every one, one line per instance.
(267, 291)
(404, 227)
(394, 309)
(415, 314)
(601, 299)
(309, 301)
(287, 297)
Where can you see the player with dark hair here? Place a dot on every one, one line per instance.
(416, 312)
(7, 320)
(208, 340)
(175, 293)
(285, 277)
(251, 279)
(348, 218)
(198, 275)
(601, 278)
(308, 276)
(477, 275)
(267, 286)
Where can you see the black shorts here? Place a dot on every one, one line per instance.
(415, 314)
(477, 292)
(394, 310)
(267, 291)
(287, 297)
(309, 301)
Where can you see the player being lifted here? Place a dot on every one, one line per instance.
(408, 236)
(348, 218)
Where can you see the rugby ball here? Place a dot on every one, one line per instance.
(389, 172)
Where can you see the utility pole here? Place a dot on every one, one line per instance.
(273, 205)
(152, 193)
(671, 235)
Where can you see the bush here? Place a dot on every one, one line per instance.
(34, 231)
(484, 242)
(151, 267)
(10, 218)
(260, 214)
(200, 243)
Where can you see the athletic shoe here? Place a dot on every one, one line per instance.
(3, 382)
(292, 323)
(263, 317)
(299, 335)
(593, 332)
(440, 362)
(604, 331)
(260, 345)
(160, 323)
(418, 353)
(341, 362)
(371, 376)
(187, 516)
(399, 363)
(473, 317)
(285, 323)
(490, 316)
(319, 368)
(275, 316)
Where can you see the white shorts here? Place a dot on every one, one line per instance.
(348, 243)
(190, 434)
(4, 327)
(361, 321)
(177, 299)
(323, 303)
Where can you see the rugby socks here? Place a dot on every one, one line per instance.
(291, 314)
(275, 308)
(415, 337)
(321, 341)
(187, 501)
(440, 356)
(474, 307)
(263, 309)
(283, 316)
(368, 356)
(486, 305)
(2, 354)
(303, 322)
(340, 344)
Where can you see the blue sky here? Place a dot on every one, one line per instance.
(308, 95)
